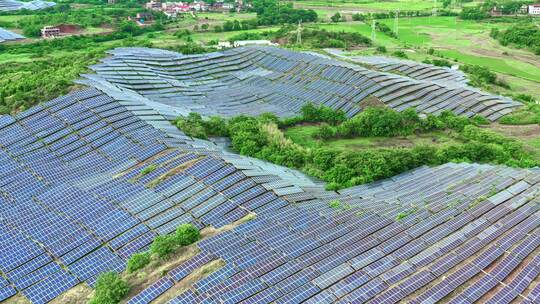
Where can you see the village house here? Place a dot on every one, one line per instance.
(50, 32)
(142, 19)
(534, 9)
(153, 5)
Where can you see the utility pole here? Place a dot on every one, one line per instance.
(373, 34)
(299, 33)
(396, 23)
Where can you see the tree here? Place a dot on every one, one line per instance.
(163, 245)
(187, 234)
(336, 17)
(110, 288)
(205, 26)
(138, 261)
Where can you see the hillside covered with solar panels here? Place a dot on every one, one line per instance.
(91, 178)
(255, 80)
(13, 5)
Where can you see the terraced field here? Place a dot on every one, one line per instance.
(256, 80)
(78, 199)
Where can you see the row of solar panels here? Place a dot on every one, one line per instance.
(420, 71)
(267, 79)
(13, 5)
(6, 35)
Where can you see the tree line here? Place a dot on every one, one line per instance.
(262, 137)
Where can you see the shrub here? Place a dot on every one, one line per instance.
(336, 17)
(400, 54)
(480, 120)
(312, 113)
(163, 245)
(149, 169)
(110, 289)
(358, 17)
(326, 131)
(381, 49)
(187, 234)
(138, 261)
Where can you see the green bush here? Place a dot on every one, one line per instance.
(138, 261)
(312, 113)
(110, 289)
(326, 132)
(187, 234)
(163, 245)
(400, 54)
(381, 49)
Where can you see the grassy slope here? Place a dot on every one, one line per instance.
(303, 135)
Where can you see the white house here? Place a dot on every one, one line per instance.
(534, 9)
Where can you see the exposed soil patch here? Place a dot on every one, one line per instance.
(523, 132)
(371, 101)
(79, 294)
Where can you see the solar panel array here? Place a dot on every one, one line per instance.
(72, 206)
(254, 80)
(13, 5)
(6, 35)
(415, 70)
(474, 235)
(74, 202)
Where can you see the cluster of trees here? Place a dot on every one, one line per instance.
(381, 27)
(525, 35)
(317, 38)
(481, 11)
(54, 65)
(480, 76)
(473, 13)
(438, 62)
(383, 122)
(236, 25)
(112, 288)
(272, 12)
(92, 17)
(262, 137)
(391, 14)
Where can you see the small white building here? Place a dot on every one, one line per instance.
(253, 42)
(239, 43)
(534, 9)
(50, 32)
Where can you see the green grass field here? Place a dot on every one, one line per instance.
(304, 136)
(465, 41)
